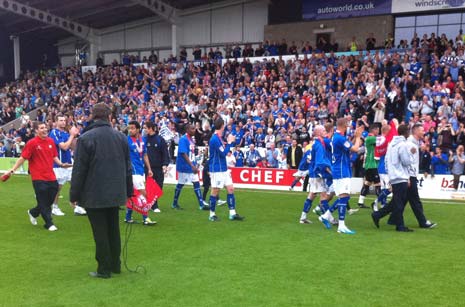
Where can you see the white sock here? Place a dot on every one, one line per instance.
(54, 206)
(342, 224)
(327, 215)
(330, 217)
(232, 212)
(212, 213)
(303, 216)
(361, 199)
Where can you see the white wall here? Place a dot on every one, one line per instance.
(113, 41)
(140, 37)
(67, 61)
(223, 22)
(227, 24)
(196, 29)
(255, 18)
(67, 49)
(161, 34)
(108, 58)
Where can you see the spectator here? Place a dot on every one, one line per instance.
(439, 163)
(413, 107)
(230, 160)
(389, 41)
(239, 156)
(353, 45)
(272, 155)
(294, 155)
(2, 149)
(379, 107)
(252, 157)
(445, 136)
(269, 138)
(197, 53)
(457, 161)
(370, 42)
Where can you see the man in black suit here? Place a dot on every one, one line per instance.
(294, 155)
(101, 182)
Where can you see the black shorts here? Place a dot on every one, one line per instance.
(372, 175)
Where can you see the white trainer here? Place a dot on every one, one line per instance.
(78, 210)
(221, 202)
(305, 221)
(157, 210)
(31, 218)
(205, 203)
(57, 211)
(345, 230)
(52, 228)
(352, 211)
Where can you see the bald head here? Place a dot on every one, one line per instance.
(385, 129)
(319, 131)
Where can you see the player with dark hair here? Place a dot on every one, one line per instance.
(139, 158)
(220, 177)
(63, 141)
(41, 154)
(187, 168)
(371, 167)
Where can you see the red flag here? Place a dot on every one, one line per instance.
(5, 177)
(141, 205)
(154, 192)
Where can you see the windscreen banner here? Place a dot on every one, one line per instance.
(406, 6)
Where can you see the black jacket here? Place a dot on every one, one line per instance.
(102, 171)
(157, 151)
(297, 158)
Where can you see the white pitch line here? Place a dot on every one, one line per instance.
(426, 201)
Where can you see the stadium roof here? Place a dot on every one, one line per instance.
(93, 13)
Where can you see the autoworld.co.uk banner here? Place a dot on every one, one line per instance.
(333, 9)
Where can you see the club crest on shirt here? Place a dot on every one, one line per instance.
(347, 144)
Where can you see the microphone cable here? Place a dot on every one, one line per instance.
(139, 268)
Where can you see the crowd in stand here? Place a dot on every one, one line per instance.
(267, 104)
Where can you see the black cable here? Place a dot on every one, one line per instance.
(139, 268)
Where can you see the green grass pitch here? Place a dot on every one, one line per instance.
(267, 260)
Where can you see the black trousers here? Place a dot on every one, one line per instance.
(159, 178)
(456, 181)
(399, 197)
(206, 181)
(415, 202)
(399, 200)
(305, 185)
(105, 228)
(45, 191)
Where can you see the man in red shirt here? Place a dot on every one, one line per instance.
(41, 152)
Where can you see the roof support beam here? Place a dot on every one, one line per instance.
(165, 11)
(77, 29)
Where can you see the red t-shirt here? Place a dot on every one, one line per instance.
(40, 153)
